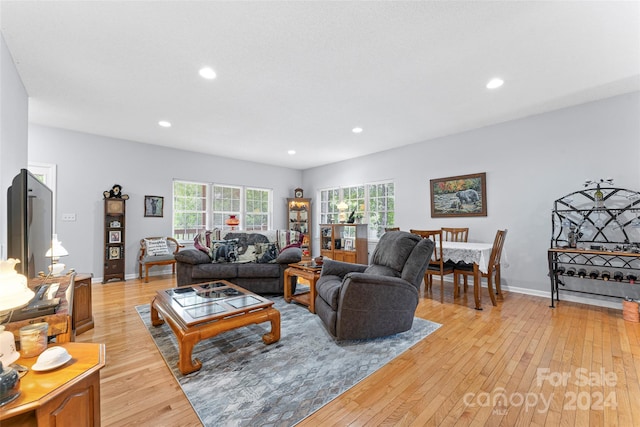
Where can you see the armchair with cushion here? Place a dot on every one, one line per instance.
(357, 301)
(157, 251)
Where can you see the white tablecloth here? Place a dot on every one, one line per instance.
(469, 252)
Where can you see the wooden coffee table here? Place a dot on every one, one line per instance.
(205, 310)
(308, 271)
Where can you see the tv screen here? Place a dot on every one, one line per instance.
(30, 223)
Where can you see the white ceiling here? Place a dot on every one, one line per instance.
(300, 75)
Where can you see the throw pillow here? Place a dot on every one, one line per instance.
(289, 239)
(157, 247)
(203, 241)
(266, 253)
(224, 250)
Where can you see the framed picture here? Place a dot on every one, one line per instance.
(153, 206)
(115, 224)
(455, 196)
(114, 252)
(348, 244)
(115, 236)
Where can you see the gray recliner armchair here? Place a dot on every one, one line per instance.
(357, 301)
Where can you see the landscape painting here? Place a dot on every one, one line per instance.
(464, 195)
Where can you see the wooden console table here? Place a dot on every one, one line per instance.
(69, 395)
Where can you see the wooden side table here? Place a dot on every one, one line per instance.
(69, 395)
(309, 272)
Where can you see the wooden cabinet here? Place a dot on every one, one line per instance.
(67, 396)
(299, 219)
(82, 315)
(114, 239)
(344, 242)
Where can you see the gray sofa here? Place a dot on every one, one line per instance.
(358, 301)
(198, 266)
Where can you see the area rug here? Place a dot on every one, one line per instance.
(244, 382)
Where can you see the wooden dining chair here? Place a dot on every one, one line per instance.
(456, 234)
(493, 270)
(437, 266)
(450, 234)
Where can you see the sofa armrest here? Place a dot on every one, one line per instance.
(340, 269)
(289, 256)
(193, 256)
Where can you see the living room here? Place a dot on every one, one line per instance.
(530, 160)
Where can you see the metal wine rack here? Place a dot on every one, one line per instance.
(607, 235)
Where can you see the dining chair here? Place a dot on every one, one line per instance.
(437, 266)
(459, 234)
(493, 268)
(456, 234)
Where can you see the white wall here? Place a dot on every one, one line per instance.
(529, 163)
(13, 133)
(87, 165)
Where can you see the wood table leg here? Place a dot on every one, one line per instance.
(273, 316)
(155, 318)
(186, 363)
(476, 286)
(287, 285)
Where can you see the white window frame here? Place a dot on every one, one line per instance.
(330, 213)
(211, 214)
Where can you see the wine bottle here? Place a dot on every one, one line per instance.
(560, 270)
(572, 237)
(606, 275)
(618, 276)
(582, 273)
(598, 198)
(632, 278)
(571, 271)
(593, 274)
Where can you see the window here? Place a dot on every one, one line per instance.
(373, 204)
(189, 209)
(204, 206)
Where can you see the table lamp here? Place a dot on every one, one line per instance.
(14, 293)
(232, 222)
(55, 252)
(342, 216)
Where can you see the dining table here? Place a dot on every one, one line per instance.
(476, 253)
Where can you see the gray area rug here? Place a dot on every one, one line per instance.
(244, 382)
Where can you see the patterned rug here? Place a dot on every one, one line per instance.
(244, 382)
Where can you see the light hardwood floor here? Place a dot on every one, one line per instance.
(520, 363)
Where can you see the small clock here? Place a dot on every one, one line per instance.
(298, 193)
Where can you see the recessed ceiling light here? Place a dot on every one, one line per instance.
(164, 124)
(356, 130)
(495, 83)
(207, 73)
(291, 152)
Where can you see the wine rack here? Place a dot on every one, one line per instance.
(596, 231)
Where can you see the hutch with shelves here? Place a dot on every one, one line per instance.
(299, 219)
(596, 232)
(344, 242)
(114, 239)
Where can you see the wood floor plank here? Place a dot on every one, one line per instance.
(462, 374)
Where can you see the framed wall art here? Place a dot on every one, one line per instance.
(153, 206)
(457, 196)
(115, 236)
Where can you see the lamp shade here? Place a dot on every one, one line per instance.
(14, 292)
(342, 205)
(56, 250)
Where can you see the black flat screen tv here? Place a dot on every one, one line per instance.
(30, 223)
